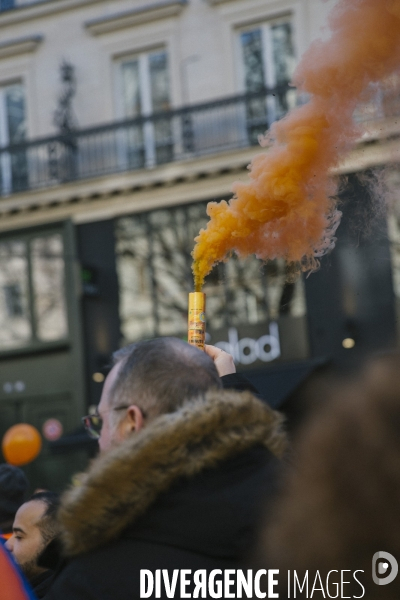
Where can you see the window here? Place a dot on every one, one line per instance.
(154, 269)
(32, 290)
(13, 167)
(15, 323)
(267, 60)
(145, 91)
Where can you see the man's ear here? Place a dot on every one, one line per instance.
(134, 419)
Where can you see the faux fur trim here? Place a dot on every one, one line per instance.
(121, 484)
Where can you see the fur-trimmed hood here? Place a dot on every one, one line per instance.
(122, 484)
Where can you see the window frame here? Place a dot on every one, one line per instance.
(146, 102)
(222, 291)
(265, 26)
(270, 106)
(35, 345)
(142, 57)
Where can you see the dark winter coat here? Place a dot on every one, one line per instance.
(183, 493)
(41, 584)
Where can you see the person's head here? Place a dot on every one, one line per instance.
(148, 379)
(13, 488)
(35, 526)
(340, 503)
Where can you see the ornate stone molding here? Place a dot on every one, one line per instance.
(136, 16)
(123, 193)
(19, 46)
(171, 184)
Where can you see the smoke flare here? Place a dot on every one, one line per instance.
(287, 209)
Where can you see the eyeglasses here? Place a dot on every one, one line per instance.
(94, 423)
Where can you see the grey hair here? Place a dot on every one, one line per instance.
(159, 375)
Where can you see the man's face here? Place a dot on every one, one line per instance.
(110, 434)
(26, 542)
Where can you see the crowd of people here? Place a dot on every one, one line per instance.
(196, 474)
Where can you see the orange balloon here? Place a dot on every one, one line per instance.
(21, 444)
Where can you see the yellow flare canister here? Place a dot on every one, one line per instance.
(197, 319)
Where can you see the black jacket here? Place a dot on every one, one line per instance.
(185, 493)
(41, 584)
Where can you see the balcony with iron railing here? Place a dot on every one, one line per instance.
(142, 143)
(147, 142)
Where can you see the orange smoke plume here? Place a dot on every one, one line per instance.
(287, 209)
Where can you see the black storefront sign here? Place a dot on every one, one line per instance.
(255, 346)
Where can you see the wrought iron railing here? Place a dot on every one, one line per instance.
(143, 142)
(149, 141)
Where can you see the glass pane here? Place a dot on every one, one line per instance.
(132, 137)
(171, 243)
(15, 325)
(159, 81)
(154, 268)
(48, 277)
(164, 141)
(16, 121)
(131, 88)
(246, 291)
(256, 110)
(284, 64)
(253, 60)
(283, 52)
(15, 108)
(134, 275)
